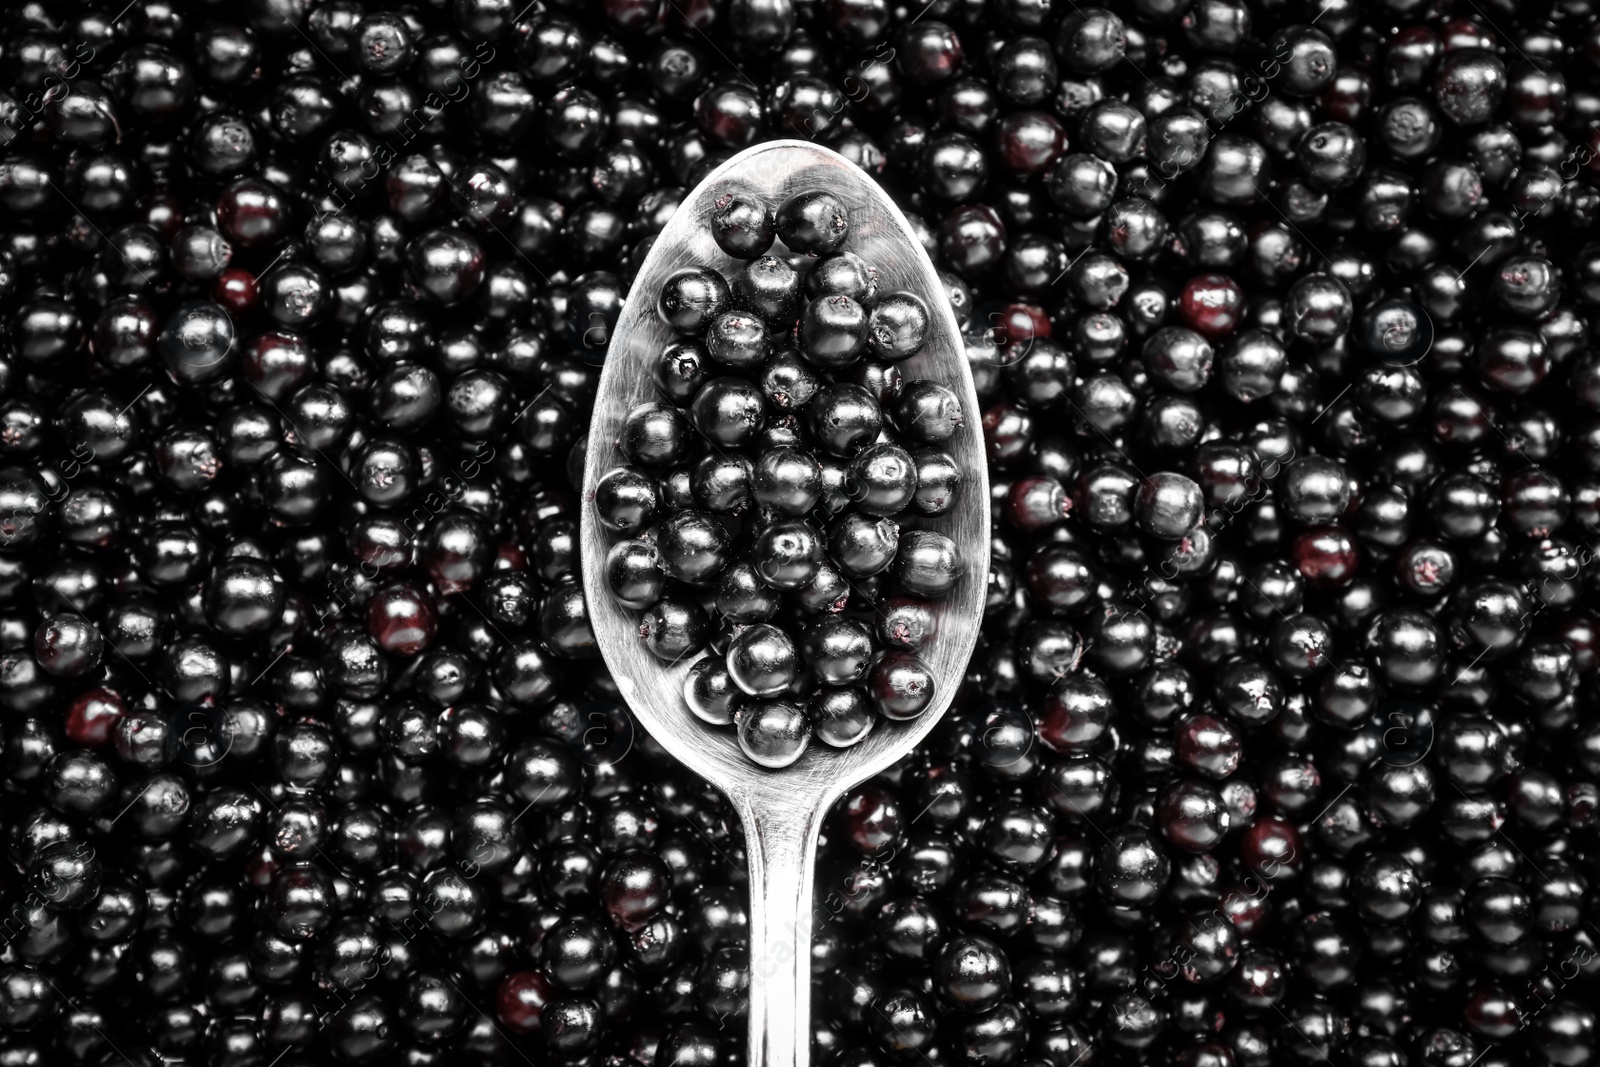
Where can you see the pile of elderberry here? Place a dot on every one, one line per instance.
(1280, 745)
(727, 482)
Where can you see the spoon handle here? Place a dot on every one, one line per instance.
(782, 849)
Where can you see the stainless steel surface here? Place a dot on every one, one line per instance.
(782, 810)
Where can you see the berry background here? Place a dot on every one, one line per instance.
(1281, 742)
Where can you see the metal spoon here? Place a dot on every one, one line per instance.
(782, 810)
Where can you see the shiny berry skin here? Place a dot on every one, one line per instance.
(1212, 305)
(926, 564)
(1133, 867)
(834, 330)
(813, 223)
(402, 619)
(773, 734)
(654, 436)
(673, 629)
(738, 340)
(1077, 714)
(634, 888)
(1191, 816)
(709, 691)
(251, 213)
(762, 660)
(787, 554)
(691, 299)
(521, 999)
(742, 225)
(844, 418)
(1208, 745)
(634, 573)
(728, 411)
(1030, 142)
(1272, 849)
(1275, 744)
(900, 685)
(1168, 505)
(973, 974)
(68, 645)
(93, 717)
(1326, 556)
(897, 326)
(237, 291)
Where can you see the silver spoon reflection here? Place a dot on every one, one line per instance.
(782, 810)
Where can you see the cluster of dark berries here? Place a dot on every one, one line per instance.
(1281, 743)
(754, 447)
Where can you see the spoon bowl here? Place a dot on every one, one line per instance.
(782, 810)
